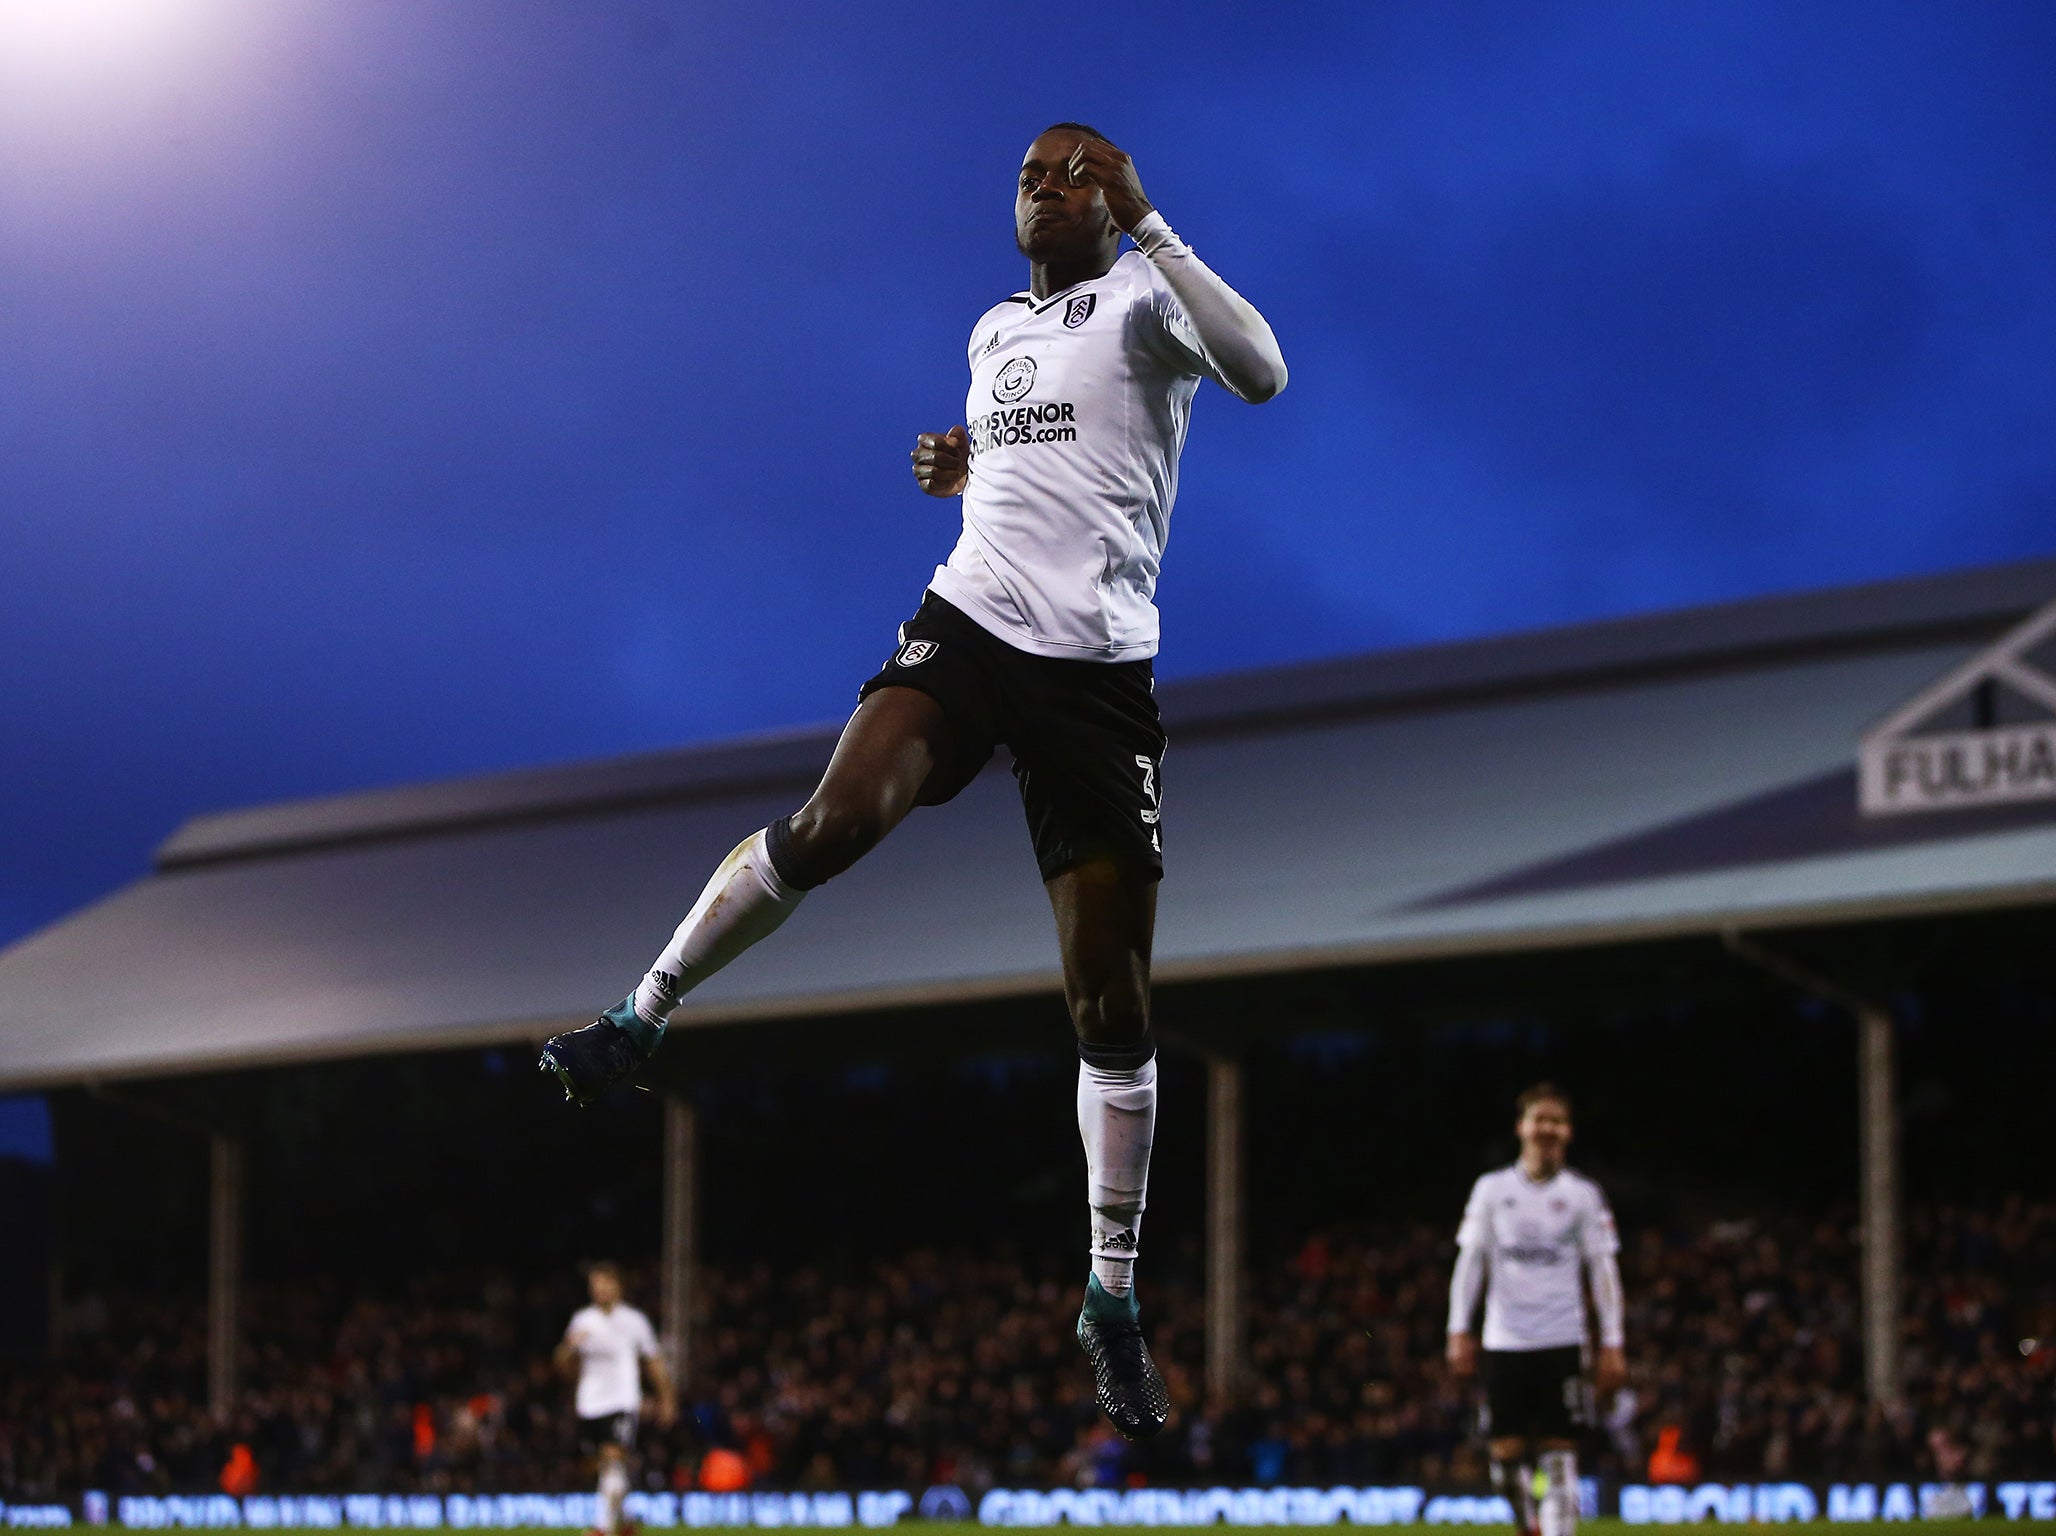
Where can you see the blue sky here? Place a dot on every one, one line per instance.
(25, 1130)
(398, 391)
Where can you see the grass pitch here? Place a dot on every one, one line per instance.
(1594, 1527)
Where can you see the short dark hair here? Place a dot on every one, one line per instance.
(1542, 1092)
(1085, 128)
(603, 1267)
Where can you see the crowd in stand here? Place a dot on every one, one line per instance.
(1743, 1341)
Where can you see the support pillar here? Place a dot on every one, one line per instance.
(1880, 1151)
(224, 1271)
(56, 1315)
(1877, 1158)
(681, 1222)
(1224, 1229)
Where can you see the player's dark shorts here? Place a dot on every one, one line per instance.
(1087, 741)
(606, 1429)
(1534, 1394)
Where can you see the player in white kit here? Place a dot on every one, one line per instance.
(1534, 1235)
(610, 1345)
(1037, 632)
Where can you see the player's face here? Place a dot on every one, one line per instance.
(1545, 1131)
(605, 1287)
(1055, 220)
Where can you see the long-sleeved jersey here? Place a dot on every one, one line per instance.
(1077, 413)
(1527, 1247)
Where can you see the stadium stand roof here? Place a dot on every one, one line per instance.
(1673, 774)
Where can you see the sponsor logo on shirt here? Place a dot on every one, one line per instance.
(1079, 310)
(1531, 1253)
(1016, 378)
(1051, 423)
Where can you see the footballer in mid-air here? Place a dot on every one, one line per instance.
(1038, 632)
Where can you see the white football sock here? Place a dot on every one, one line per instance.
(1116, 1121)
(613, 1489)
(745, 901)
(1560, 1498)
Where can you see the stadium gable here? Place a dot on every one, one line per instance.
(1673, 774)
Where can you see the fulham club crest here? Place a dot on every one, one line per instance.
(915, 652)
(1079, 310)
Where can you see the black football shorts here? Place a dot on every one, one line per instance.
(607, 1429)
(1087, 742)
(1534, 1394)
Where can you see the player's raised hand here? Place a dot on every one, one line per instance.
(942, 461)
(1095, 162)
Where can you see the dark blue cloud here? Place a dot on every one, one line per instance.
(408, 391)
(1680, 345)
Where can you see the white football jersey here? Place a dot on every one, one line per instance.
(1536, 1239)
(611, 1347)
(1076, 415)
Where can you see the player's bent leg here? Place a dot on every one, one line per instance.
(1106, 924)
(887, 752)
(1106, 919)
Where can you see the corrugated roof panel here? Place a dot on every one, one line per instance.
(1679, 801)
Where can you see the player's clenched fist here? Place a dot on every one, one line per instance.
(942, 461)
(1096, 163)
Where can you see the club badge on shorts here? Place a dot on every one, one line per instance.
(914, 652)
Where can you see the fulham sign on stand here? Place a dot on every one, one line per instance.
(1983, 734)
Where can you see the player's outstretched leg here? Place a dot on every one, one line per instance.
(1105, 921)
(746, 900)
(885, 756)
